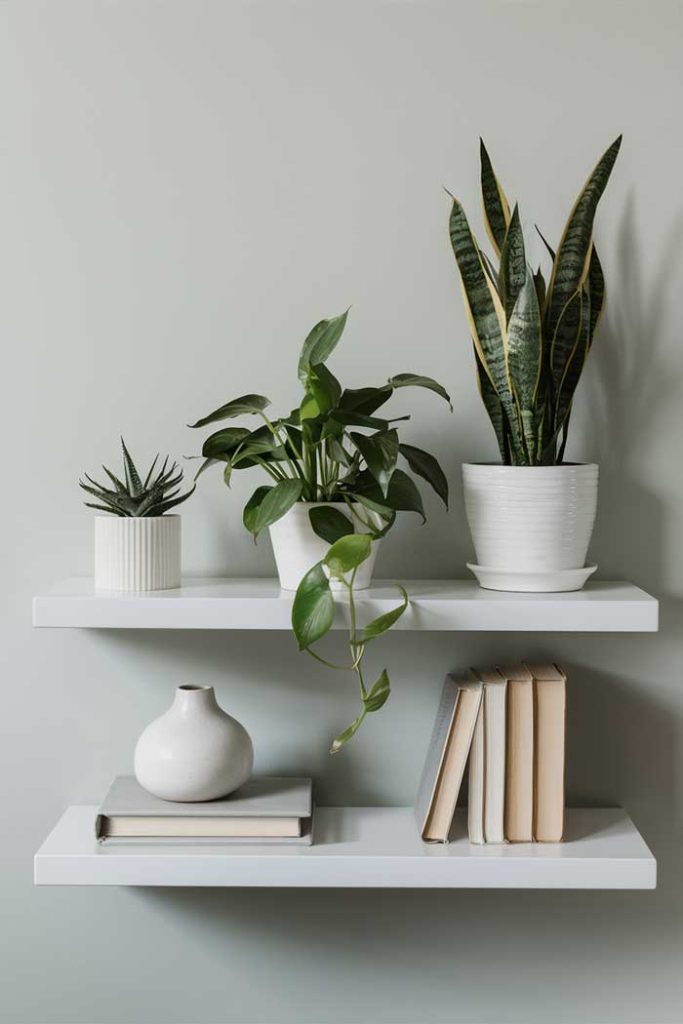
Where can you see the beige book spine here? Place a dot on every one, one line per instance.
(519, 785)
(549, 716)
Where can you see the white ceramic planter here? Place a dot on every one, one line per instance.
(297, 548)
(531, 525)
(195, 751)
(137, 553)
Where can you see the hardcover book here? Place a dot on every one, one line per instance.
(519, 783)
(549, 730)
(486, 802)
(265, 809)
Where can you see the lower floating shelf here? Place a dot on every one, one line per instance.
(360, 847)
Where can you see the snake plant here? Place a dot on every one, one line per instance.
(531, 339)
(131, 497)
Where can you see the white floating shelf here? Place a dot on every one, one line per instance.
(434, 605)
(360, 847)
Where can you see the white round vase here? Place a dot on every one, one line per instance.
(531, 525)
(297, 548)
(137, 553)
(195, 751)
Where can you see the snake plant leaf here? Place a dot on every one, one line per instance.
(268, 504)
(133, 481)
(596, 289)
(329, 523)
(365, 400)
(246, 405)
(495, 206)
(347, 553)
(223, 442)
(484, 310)
(348, 733)
(313, 607)
(570, 268)
(565, 340)
(539, 284)
(426, 466)
(492, 404)
(513, 268)
(320, 343)
(416, 380)
(384, 622)
(380, 452)
(551, 251)
(574, 367)
(378, 694)
(525, 344)
(490, 270)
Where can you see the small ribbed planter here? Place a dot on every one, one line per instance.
(297, 548)
(531, 525)
(137, 553)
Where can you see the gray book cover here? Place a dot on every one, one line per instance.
(443, 724)
(266, 796)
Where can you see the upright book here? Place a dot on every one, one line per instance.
(549, 751)
(447, 755)
(519, 781)
(486, 801)
(266, 809)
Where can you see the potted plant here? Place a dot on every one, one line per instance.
(137, 545)
(532, 517)
(332, 462)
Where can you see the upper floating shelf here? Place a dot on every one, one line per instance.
(203, 603)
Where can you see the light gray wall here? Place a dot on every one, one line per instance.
(187, 187)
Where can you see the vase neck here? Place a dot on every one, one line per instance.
(190, 699)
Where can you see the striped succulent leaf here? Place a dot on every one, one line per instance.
(574, 367)
(596, 288)
(513, 269)
(565, 339)
(494, 203)
(571, 265)
(524, 359)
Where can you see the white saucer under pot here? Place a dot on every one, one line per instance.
(531, 525)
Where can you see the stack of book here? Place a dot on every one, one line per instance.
(267, 809)
(509, 723)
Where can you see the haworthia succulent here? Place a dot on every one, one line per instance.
(495, 205)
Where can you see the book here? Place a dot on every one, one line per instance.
(264, 809)
(519, 759)
(549, 746)
(486, 803)
(447, 754)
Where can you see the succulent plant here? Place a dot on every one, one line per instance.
(531, 340)
(158, 494)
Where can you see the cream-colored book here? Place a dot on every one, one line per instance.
(519, 781)
(447, 756)
(550, 687)
(486, 802)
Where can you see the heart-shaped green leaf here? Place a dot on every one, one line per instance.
(416, 380)
(268, 504)
(347, 554)
(329, 523)
(426, 466)
(238, 407)
(378, 695)
(384, 622)
(313, 608)
(324, 386)
(223, 442)
(380, 452)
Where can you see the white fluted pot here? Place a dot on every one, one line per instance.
(531, 525)
(196, 751)
(297, 548)
(141, 553)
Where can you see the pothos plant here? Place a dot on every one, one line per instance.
(531, 339)
(334, 447)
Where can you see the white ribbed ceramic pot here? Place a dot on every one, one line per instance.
(531, 519)
(138, 553)
(297, 548)
(196, 751)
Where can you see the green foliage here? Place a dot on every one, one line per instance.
(531, 341)
(313, 615)
(331, 448)
(131, 497)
